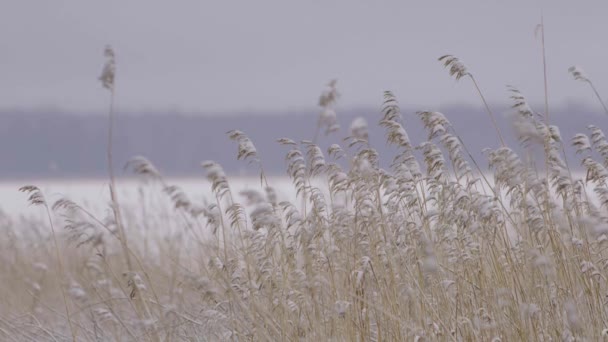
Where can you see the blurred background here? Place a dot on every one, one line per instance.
(188, 71)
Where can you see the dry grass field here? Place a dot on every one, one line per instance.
(435, 247)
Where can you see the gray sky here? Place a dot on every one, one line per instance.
(277, 54)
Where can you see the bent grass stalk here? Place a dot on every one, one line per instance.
(459, 70)
(37, 198)
(579, 75)
(107, 79)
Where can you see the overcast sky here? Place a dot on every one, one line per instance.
(196, 55)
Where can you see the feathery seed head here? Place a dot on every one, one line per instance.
(178, 197)
(390, 107)
(581, 143)
(341, 307)
(217, 176)
(286, 141)
(572, 316)
(578, 73)
(327, 117)
(457, 68)
(109, 69)
(246, 148)
(435, 122)
(336, 151)
(36, 196)
(330, 95)
(143, 167)
(359, 129)
(77, 292)
(521, 104)
(65, 204)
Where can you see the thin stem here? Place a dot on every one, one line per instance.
(546, 88)
(61, 272)
(483, 99)
(542, 37)
(598, 97)
(317, 131)
(118, 216)
(113, 195)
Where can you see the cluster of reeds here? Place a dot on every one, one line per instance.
(433, 247)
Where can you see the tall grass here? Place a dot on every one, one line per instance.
(429, 248)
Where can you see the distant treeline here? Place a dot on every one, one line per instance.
(42, 145)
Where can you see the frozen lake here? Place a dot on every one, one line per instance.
(94, 194)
